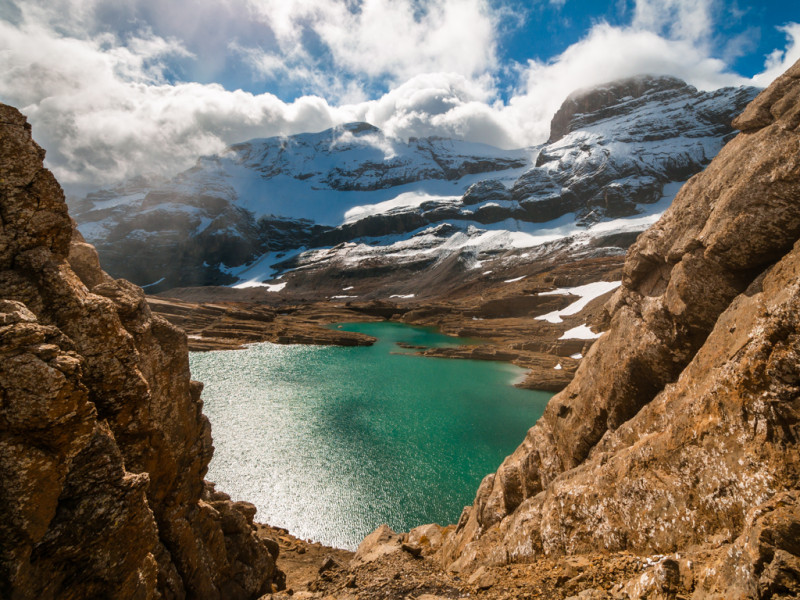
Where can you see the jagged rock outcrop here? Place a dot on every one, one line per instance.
(103, 443)
(681, 429)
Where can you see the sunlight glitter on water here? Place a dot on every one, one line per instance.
(330, 442)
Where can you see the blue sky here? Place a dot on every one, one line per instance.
(117, 88)
(741, 33)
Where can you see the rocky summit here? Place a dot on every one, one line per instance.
(352, 203)
(103, 442)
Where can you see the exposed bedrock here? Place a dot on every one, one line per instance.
(103, 443)
(681, 425)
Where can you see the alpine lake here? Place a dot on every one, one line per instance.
(330, 442)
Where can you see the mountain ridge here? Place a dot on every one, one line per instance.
(353, 184)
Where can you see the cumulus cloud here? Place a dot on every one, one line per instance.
(780, 60)
(106, 104)
(687, 20)
(605, 54)
(103, 112)
(396, 39)
(444, 104)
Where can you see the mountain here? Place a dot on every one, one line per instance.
(268, 195)
(353, 201)
(668, 468)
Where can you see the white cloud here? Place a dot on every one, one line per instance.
(444, 104)
(606, 54)
(385, 38)
(687, 20)
(103, 114)
(779, 60)
(102, 106)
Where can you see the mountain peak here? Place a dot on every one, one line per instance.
(598, 98)
(359, 128)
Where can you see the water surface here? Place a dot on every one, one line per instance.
(330, 442)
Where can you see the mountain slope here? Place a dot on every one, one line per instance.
(680, 428)
(413, 204)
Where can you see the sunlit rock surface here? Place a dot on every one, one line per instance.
(680, 428)
(103, 443)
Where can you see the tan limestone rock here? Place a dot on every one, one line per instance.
(103, 444)
(683, 418)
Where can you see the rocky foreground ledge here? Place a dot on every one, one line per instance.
(103, 442)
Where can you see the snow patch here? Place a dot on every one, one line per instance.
(576, 356)
(587, 293)
(270, 287)
(515, 279)
(403, 201)
(401, 296)
(581, 332)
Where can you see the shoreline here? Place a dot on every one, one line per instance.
(501, 313)
(521, 341)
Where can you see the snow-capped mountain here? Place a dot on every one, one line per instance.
(352, 199)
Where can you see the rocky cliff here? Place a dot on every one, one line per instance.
(103, 443)
(681, 430)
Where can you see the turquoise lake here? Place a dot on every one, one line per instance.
(330, 442)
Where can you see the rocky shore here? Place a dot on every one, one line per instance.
(231, 325)
(103, 442)
(499, 315)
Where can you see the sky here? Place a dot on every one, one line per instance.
(120, 88)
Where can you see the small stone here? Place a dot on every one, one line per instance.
(414, 551)
(328, 564)
(483, 579)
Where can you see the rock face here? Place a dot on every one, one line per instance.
(589, 105)
(103, 443)
(681, 429)
(364, 203)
